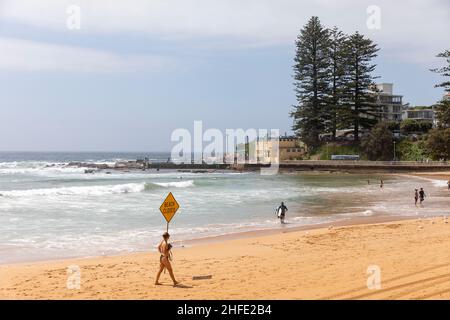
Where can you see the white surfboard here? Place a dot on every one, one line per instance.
(279, 211)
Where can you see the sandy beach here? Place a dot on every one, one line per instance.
(413, 257)
(184, 153)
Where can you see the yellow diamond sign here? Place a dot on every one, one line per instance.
(169, 207)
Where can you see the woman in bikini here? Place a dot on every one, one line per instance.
(164, 249)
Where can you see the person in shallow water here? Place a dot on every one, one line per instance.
(164, 260)
(421, 195)
(283, 209)
(416, 196)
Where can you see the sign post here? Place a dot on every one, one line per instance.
(168, 208)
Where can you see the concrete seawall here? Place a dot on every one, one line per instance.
(360, 166)
(300, 165)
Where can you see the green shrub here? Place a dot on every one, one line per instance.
(409, 151)
(438, 144)
(392, 125)
(411, 125)
(334, 148)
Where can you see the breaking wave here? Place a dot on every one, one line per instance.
(96, 190)
(176, 184)
(38, 168)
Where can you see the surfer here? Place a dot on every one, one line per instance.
(416, 196)
(281, 212)
(165, 258)
(421, 195)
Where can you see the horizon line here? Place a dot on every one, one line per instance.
(79, 151)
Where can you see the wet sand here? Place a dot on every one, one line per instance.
(442, 175)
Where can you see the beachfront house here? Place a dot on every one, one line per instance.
(420, 114)
(393, 108)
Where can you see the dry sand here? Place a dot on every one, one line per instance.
(328, 263)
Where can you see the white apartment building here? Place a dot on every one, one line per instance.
(391, 105)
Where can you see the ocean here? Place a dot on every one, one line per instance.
(51, 211)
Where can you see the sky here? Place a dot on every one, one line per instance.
(92, 75)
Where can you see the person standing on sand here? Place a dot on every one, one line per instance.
(421, 195)
(448, 184)
(164, 260)
(416, 196)
(381, 183)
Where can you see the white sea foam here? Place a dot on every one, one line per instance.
(86, 190)
(95, 190)
(176, 184)
(367, 212)
(439, 183)
(38, 168)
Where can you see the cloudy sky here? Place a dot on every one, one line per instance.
(136, 70)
